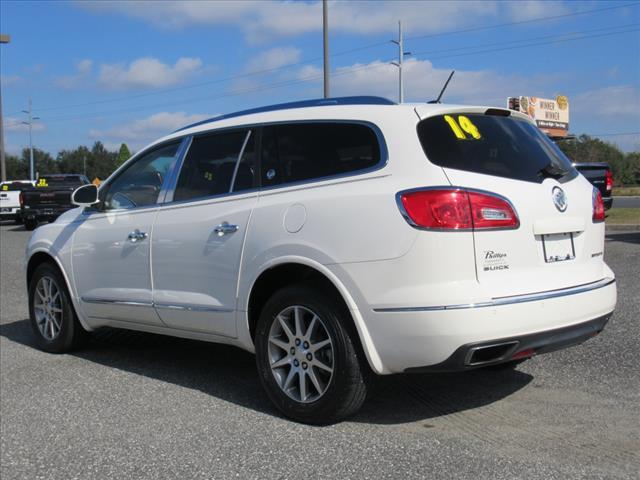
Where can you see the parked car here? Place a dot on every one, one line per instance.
(10, 199)
(600, 176)
(49, 198)
(338, 240)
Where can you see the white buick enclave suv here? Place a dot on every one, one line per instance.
(337, 239)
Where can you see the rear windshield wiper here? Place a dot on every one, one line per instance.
(552, 171)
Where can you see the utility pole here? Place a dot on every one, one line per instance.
(30, 124)
(325, 45)
(401, 55)
(3, 165)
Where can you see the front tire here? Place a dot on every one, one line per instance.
(53, 320)
(30, 224)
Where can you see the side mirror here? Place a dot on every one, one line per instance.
(85, 196)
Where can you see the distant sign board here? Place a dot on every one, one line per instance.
(551, 116)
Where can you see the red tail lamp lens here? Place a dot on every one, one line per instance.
(598, 207)
(609, 179)
(457, 209)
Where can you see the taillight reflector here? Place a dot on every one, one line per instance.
(21, 199)
(457, 209)
(598, 207)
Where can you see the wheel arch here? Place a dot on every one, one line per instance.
(287, 271)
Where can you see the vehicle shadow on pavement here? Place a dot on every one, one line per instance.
(631, 237)
(230, 374)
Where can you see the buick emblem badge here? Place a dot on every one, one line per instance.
(559, 199)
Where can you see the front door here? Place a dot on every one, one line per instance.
(111, 247)
(198, 236)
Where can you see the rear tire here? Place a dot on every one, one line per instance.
(53, 319)
(30, 224)
(309, 365)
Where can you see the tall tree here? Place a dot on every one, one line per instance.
(123, 155)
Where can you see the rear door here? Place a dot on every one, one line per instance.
(557, 244)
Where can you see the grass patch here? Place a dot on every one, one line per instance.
(618, 216)
(626, 191)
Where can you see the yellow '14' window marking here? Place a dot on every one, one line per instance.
(461, 126)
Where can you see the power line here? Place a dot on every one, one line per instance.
(316, 59)
(521, 22)
(316, 77)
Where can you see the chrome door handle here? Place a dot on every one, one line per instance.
(137, 235)
(224, 228)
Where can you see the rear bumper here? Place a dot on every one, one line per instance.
(608, 202)
(475, 355)
(44, 214)
(440, 338)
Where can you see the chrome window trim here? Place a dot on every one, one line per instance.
(514, 299)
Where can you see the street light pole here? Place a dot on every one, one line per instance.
(401, 54)
(325, 45)
(30, 124)
(3, 165)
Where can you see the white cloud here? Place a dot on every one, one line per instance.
(529, 9)
(282, 18)
(618, 100)
(147, 72)
(140, 132)
(7, 80)
(12, 124)
(83, 70)
(273, 58)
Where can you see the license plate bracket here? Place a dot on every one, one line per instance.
(558, 247)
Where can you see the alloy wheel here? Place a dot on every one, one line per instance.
(47, 305)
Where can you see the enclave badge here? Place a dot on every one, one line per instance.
(559, 199)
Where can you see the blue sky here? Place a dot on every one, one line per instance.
(133, 71)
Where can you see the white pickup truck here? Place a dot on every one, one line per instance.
(10, 199)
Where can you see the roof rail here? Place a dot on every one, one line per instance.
(320, 102)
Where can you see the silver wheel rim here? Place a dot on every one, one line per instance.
(47, 306)
(301, 354)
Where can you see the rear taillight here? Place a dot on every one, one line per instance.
(457, 209)
(598, 207)
(21, 199)
(609, 179)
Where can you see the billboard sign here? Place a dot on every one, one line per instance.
(551, 116)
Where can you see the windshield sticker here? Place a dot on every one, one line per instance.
(5, 187)
(42, 183)
(463, 127)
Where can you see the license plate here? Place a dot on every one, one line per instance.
(558, 247)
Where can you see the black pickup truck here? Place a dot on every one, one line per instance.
(49, 198)
(599, 174)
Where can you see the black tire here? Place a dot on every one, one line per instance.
(30, 224)
(70, 335)
(347, 388)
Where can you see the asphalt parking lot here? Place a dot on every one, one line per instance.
(135, 405)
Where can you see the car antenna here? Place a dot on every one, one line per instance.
(437, 100)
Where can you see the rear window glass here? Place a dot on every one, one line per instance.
(304, 151)
(493, 145)
(61, 181)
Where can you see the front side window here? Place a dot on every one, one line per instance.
(498, 145)
(140, 184)
(304, 151)
(210, 165)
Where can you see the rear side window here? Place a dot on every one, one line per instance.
(304, 151)
(502, 146)
(210, 165)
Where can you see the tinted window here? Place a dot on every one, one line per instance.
(296, 152)
(494, 145)
(210, 164)
(61, 181)
(139, 185)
